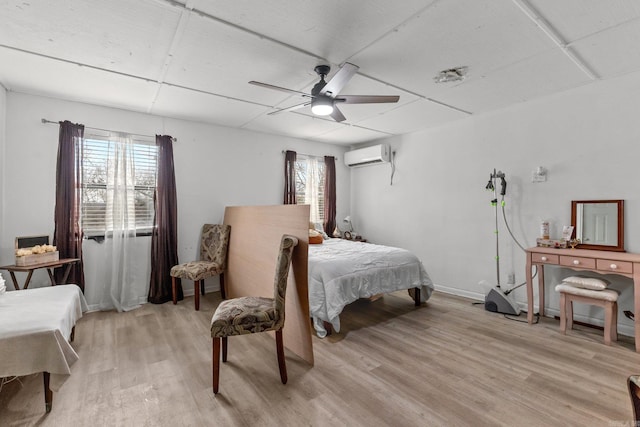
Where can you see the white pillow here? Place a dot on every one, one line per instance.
(586, 282)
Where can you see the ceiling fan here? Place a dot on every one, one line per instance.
(324, 96)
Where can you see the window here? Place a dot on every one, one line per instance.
(118, 181)
(310, 185)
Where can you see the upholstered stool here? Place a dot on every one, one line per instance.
(605, 298)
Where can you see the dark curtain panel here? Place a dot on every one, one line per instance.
(329, 194)
(164, 241)
(290, 178)
(67, 235)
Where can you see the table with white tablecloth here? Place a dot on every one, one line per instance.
(36, 326)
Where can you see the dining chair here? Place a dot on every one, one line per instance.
(250, 314)
(214, 244)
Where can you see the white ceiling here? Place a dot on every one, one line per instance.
(193, 59)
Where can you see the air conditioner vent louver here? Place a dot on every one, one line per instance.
(373, 155)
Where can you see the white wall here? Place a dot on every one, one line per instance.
(588, 139)
(215, 167)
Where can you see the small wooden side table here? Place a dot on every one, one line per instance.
(49, 266)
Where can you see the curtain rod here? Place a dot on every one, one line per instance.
(110, 130)
(309, 155)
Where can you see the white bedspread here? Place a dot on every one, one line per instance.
(341, 271)
(35, 326)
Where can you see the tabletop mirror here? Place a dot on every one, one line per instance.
(599, 224)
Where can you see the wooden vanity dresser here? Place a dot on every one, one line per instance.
(603, 262)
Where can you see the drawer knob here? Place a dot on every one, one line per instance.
(613, 266)
(544, 258)
(576, 262)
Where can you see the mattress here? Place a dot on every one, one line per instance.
(342, 271)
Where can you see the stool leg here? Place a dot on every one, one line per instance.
(610, 322)
(563, 313)
(174, 290)
(614, 322)
(569, 309)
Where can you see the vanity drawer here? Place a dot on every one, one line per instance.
(544, 258)
(615, 266)
(576, 261)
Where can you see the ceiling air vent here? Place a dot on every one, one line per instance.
(451, 75)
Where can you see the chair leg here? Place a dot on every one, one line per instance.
(202, 286)
(563, 313)
(223, 292)
(196, 294)
(174, 290)
(216, 363)
(281, 361)
(224, 349)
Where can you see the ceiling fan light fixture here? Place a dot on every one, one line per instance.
(321, 107)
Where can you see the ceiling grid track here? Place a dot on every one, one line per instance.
(177, 37)
(555, 37)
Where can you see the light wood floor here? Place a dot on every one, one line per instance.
(446, 363)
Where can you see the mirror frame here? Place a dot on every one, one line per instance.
(620, 205)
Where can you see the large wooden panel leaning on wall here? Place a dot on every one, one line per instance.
(256, 232)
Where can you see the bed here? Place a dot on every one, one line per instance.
(342, 271)
(36, 326)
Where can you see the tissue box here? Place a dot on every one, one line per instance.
(34, 259)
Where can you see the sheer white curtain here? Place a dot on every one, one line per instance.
(311, 191)
(124, 287)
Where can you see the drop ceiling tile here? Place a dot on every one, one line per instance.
(575, 19)
(185, 104)
(292, 124)
(483, 35)
(614, 52)
(412, 117)
(221, 59)
(347, 135)
(125, 36)
(330, 29)
(22, 72)
(549, 72)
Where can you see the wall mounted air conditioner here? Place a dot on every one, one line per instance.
(367, 156)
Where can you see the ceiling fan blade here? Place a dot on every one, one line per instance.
(337, 115)
(281, 89)
(294, 107)
(367, 99)
(339, 80)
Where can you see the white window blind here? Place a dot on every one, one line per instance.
(100, 156)
(304, 172)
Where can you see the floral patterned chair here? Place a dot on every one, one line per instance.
(213, 261)
(248, 315)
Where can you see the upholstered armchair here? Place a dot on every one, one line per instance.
(214, 244)
(248, 315)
